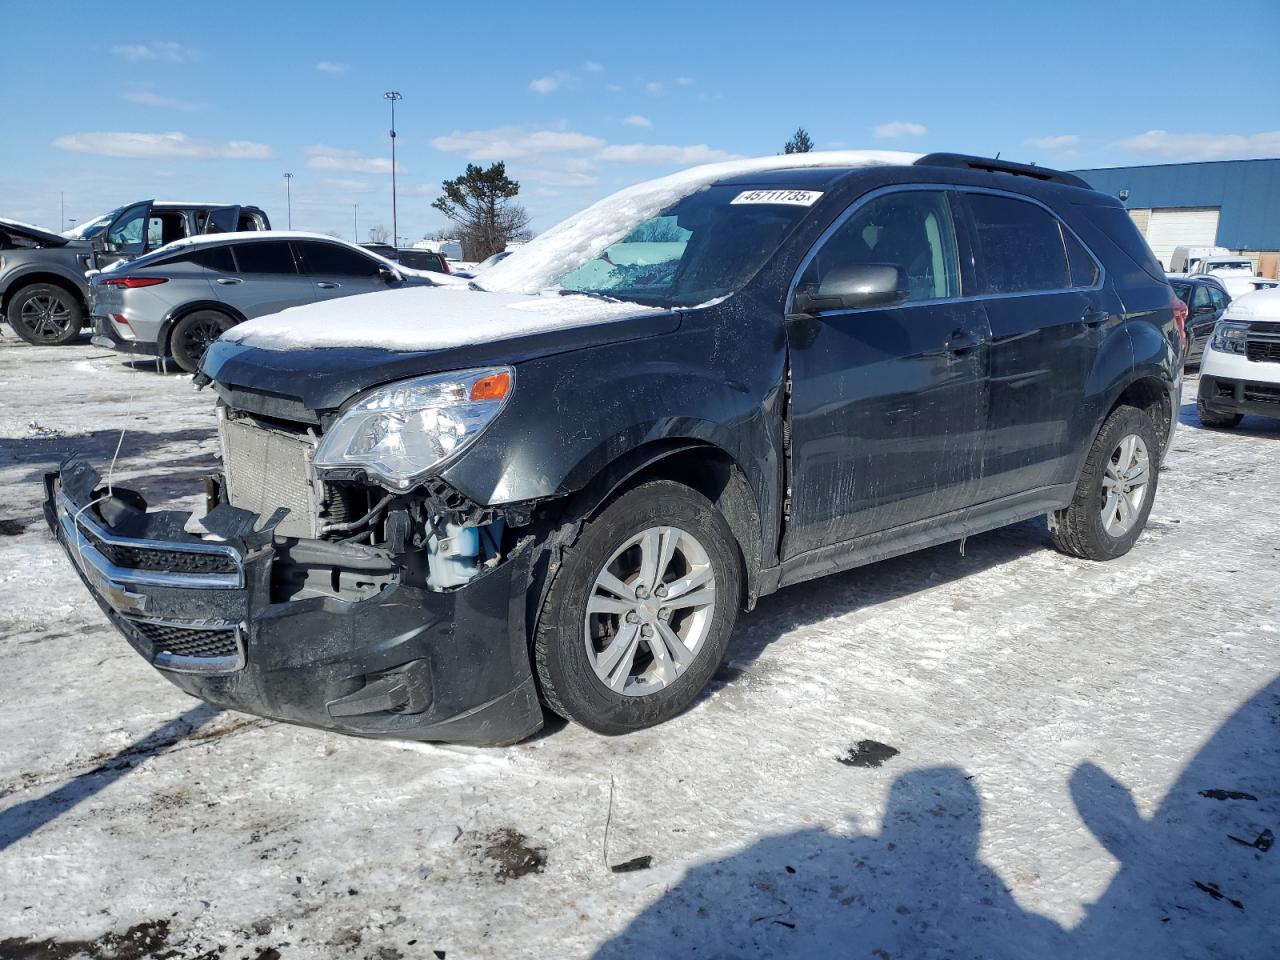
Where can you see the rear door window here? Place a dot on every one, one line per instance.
(1219, 298)
(331, 260)
(911, 229)
(269, 256)
(211, 258)
(1020, 248)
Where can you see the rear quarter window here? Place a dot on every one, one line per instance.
(1116, 223)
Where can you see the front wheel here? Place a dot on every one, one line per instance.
(639, 614)
(1225, 421)
(1115, 492)
(194, 333)
(45, 315)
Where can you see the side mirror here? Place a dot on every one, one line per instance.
(854, 287)
(389, 275)
(1206, 309)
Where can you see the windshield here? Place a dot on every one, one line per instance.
(1218, 266)
(706, 246)
(91, 228)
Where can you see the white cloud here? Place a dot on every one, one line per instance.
(592, 67)
(162, 145)
(898, 128)
(347, 186)
(1204, 146)
(614, 88)
(550, 83)
(684, 81)
(321, 157)
(149, 98)
(654, 87)
(328, 66)
(513, 143)
(637, 120)
(159, 50)
(1062, 142)
(660, 153)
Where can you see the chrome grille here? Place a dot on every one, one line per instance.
(267, 469)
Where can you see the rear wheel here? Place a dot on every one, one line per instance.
(1116, 489)
(1226, 421)
(639, 614)
(45, 315)
(193, 334)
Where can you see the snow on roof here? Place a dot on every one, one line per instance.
(1259, 305)
(541, 262)
(425, 318)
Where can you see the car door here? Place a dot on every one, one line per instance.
(336, 270)
(266, 279)
(1048, 313)
(222, 220)
(887, 404)
(126, 236)
(1207, 304)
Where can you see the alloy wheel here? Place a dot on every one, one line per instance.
(1124, 485)
(650, 611)
(47, 316)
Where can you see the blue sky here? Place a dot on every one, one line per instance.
(108, 104)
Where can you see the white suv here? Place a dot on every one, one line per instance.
(1240, 370)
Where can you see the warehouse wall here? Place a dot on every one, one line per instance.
(1248, 191)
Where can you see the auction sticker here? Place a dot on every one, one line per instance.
(795, 198)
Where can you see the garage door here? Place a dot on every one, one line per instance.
(1181, 227)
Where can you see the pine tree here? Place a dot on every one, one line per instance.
(800, 142)
(480, 203)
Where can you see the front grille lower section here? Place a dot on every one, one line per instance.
(191, 647)
(268, 468)
(1262, 342)
(1262, 392)
(160, 559)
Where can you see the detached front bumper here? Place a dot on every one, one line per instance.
(406, 662)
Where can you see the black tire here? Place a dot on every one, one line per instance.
(192, 335)
(45, 315)
(1079, 530)
(1220, 421)
(568, 680)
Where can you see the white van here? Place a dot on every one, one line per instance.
(1186, 259)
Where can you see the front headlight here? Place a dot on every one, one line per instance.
(403, 430)
(1229, 337)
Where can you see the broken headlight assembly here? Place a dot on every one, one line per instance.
(1229, 337)
(402, 431)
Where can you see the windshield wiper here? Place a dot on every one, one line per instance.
(589, 293)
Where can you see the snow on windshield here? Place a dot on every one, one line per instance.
(1219, 266)
(541, 263)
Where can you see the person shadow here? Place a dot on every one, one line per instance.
(1197, 879)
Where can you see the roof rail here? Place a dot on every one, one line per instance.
(1001, 166)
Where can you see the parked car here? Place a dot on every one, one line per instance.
(1235, 273)
(180, 298)
(382, 250)
(43, 288)
(427, 260)
(1206, 299)
(1240, 371)
(442, 509)
(1187, 258)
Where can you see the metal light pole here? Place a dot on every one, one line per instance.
(288, 188)
(355, 221)
(393, 96)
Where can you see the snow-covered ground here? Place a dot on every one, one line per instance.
(1087, 765)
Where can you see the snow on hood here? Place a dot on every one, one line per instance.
(540, 263)
(1259, 305)
(425, 318)
(40, 233)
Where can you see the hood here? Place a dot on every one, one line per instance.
(46, 238)
(319, 356)
(1259, 305)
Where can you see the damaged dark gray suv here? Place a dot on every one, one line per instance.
(444, 509)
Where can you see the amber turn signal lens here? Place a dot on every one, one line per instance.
(493, 387)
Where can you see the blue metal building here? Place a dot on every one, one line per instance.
(1227, 203)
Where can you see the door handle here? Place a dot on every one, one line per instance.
(326, 285)
(962, 341)
(227, 281)
(1093, 317)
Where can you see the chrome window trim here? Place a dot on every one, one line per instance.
(81, 547)
(963, 298)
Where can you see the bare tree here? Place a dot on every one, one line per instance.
(379, 234)
(481, 203)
